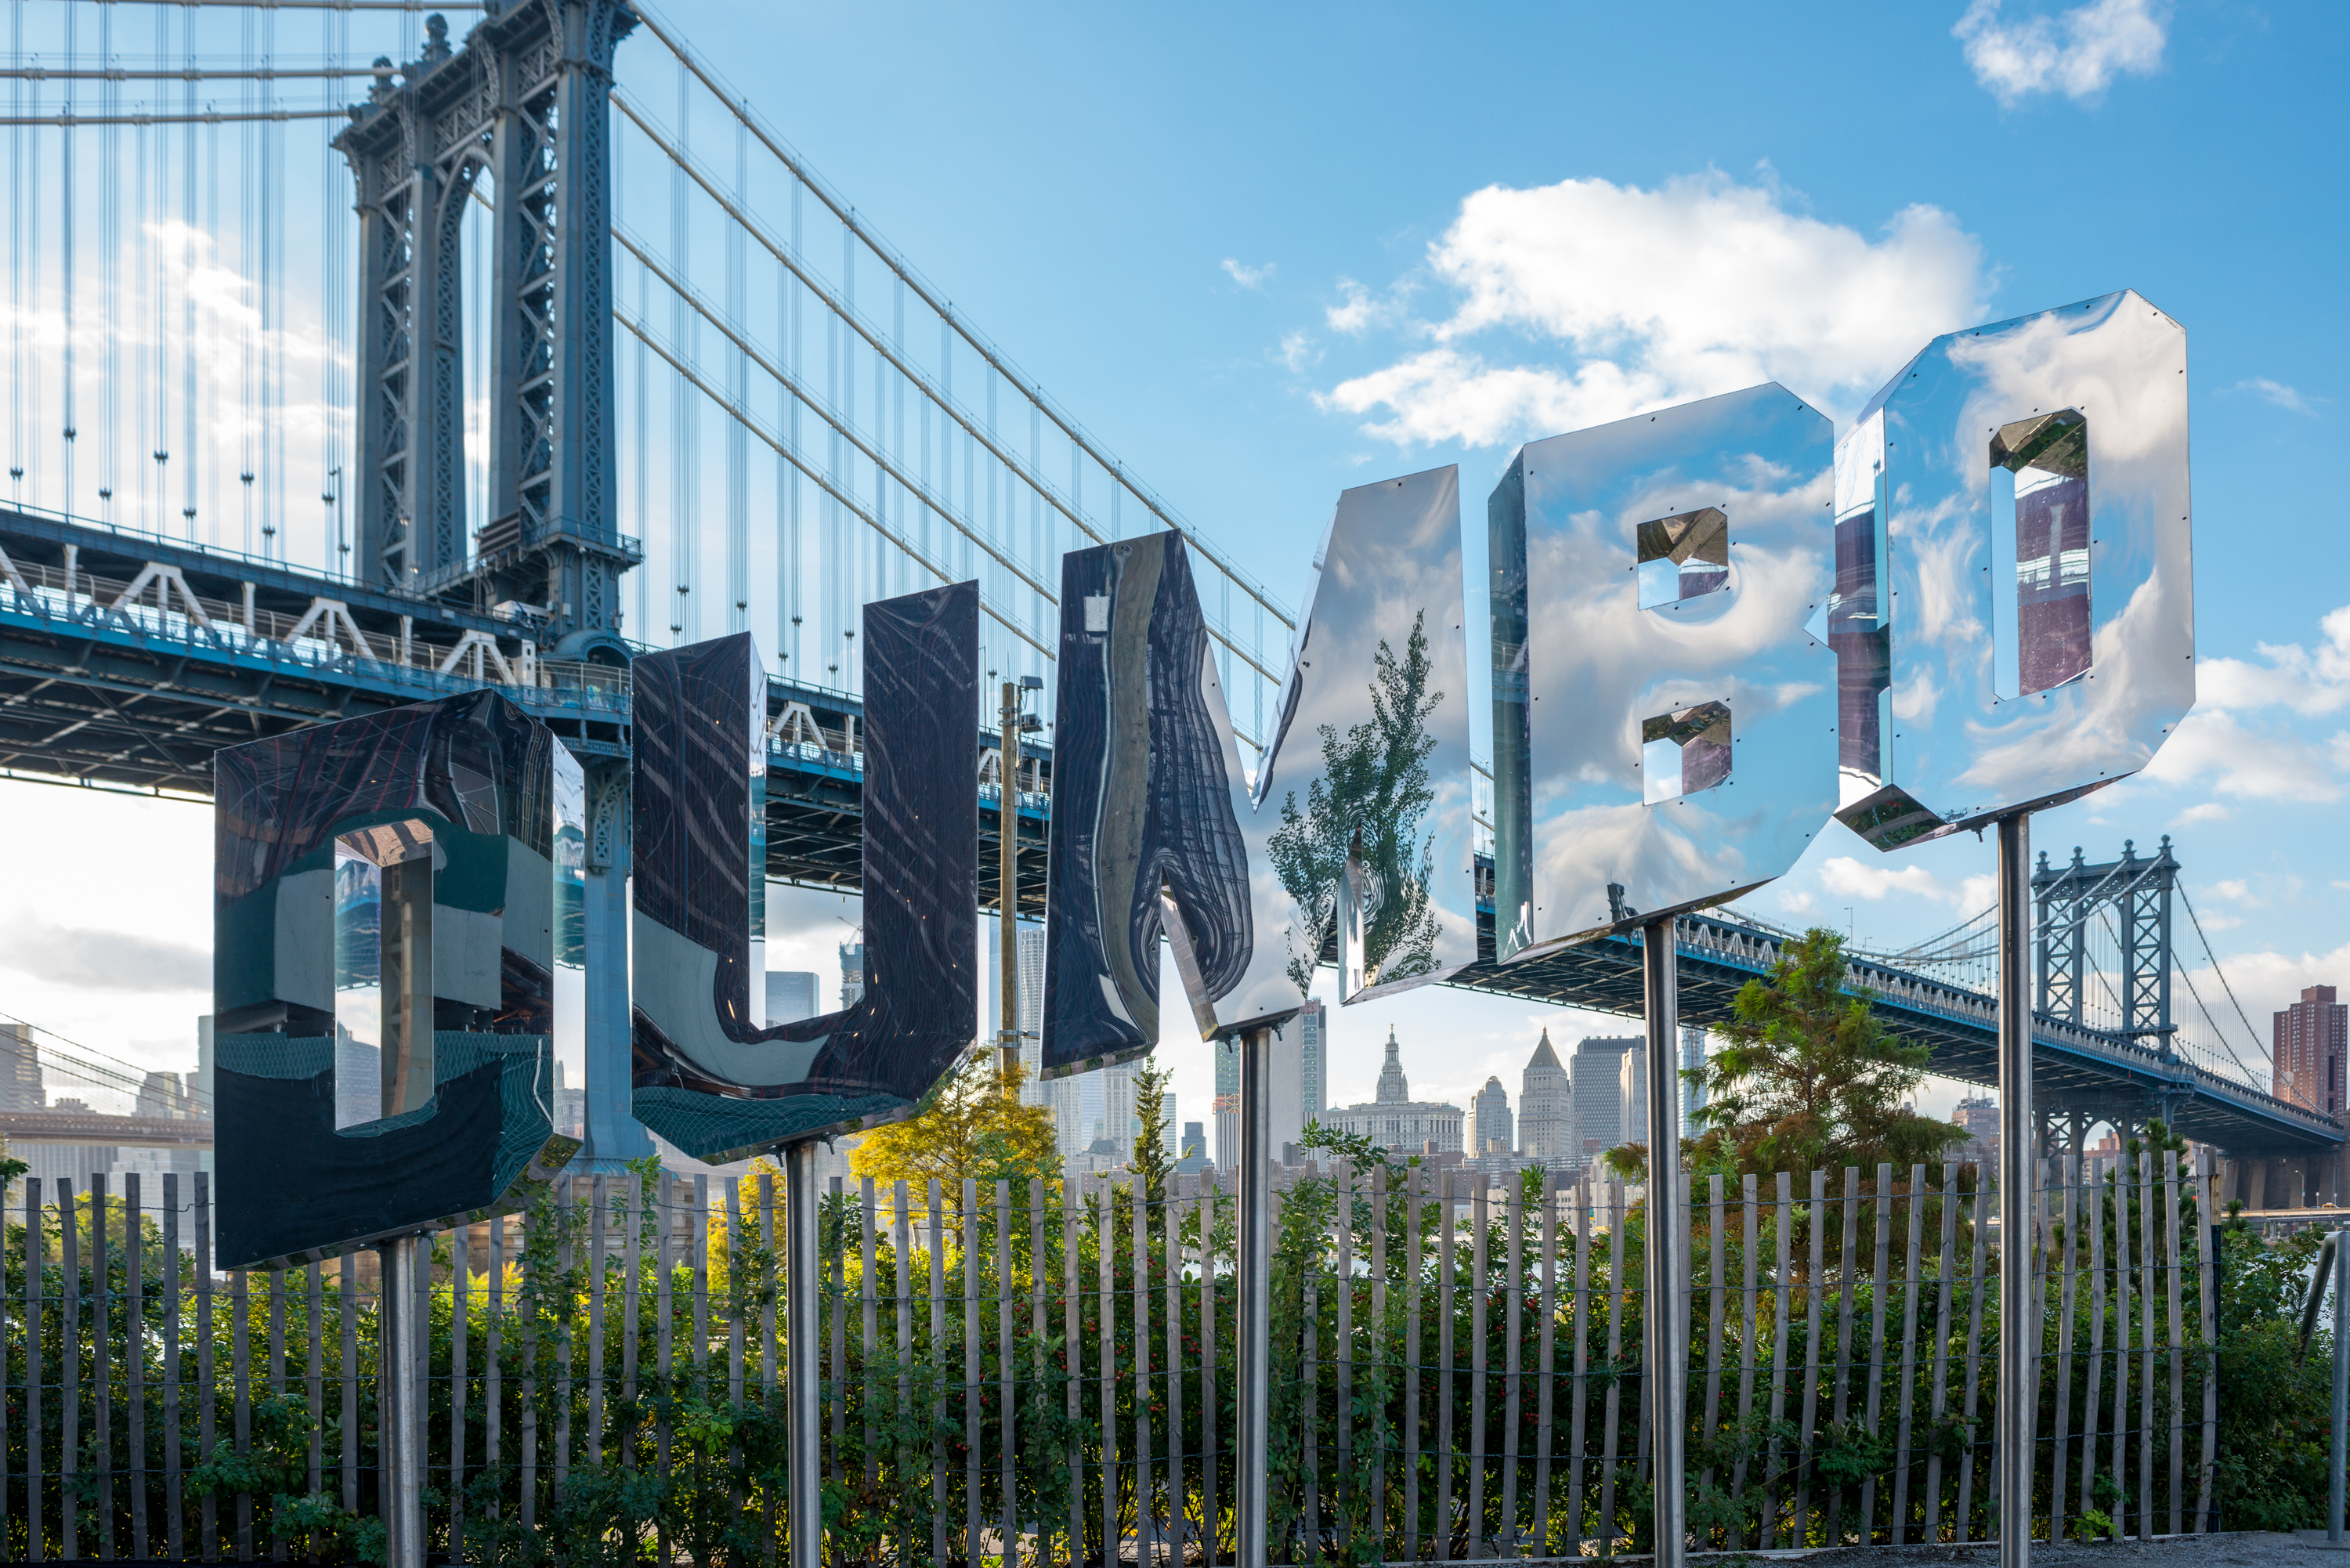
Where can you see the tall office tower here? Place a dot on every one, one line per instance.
(1546, 1110)
(2312, 1037)
(852, 972)
(791, 996)
(1167, 1119)
(1596, 1071)
(1227, 1104)
(1692, 1058)
(1979, 1113)
(1119, 1121)
(1195, 1141)
(1493, 1111)
(1632, 1093)
(20, 1088)
(1314, 1061)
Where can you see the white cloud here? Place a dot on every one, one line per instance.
(1794, 902)
(1644, 297)
(2234, 887)
(1356, 312)
(2210, 749)
(2307, 682)
(1858, 879)
(2289, 398)
(1249, 276)
(2204, 811)
(2077, 54)
(109, 960)
(1297, 351)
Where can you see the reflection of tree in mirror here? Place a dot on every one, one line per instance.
(1374, 785)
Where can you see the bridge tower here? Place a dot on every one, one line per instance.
(2068, 898)
(522, 110)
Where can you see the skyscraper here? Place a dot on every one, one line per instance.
(1692, 1058)
(1546, 1110)
(852, 972)
(2311, 1041)
(791, 996)
(1596, 1073)
(20, 1088)
(1632, 1089)
(1313, 1062)
(1492, 1108)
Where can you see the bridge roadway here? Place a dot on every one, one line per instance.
(20, 1128)
(127, 660)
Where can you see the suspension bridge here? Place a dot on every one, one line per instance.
(355, 361)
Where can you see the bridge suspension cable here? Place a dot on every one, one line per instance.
(916, 444)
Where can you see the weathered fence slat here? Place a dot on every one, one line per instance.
(600, 1218)
(2121, 1424)
(1612, 1416)
(936, 1196)
(1879, 1280)
(69, 1365)
(2147, 1303)
(1782, 1310)
(175, 1526)
(1976, 1287)
(2206, 1189)
(1939, 1400)
(1007, 1441)
(1210, 1406)
(1586, 1208)
(973, 1523)
(1546, 1363)
(460, 1292)
(1478, 1367)
(36, 1331)
(1717, 1261)
(2067, 1171)
(870, 1321)
(2090, 1412)
(1748, 1216)
(1917, 1208)
(1170, 1218)
(1343, 1360)
(2176, 1253)
(1415, 1352)
(1514, 1298)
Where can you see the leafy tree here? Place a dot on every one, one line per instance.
(1374, 787)
(1810, 1078)
(1154, 1158)
(969, 1127)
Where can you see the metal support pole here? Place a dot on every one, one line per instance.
(1007, 882)
(1667, 1249)
(2339, 1453)
(402, 1396)
(803, 1389)
(2018, 1344)
(1256, 1292)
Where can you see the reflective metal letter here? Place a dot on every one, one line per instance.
(1354, 841)
(397, 1044)
(1661, 714)
(2014, 614)
(710, 1076)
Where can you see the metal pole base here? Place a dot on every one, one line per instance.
(402, 1396)
(1667, 1269)
(803, 1386)
(1255, 1292)
(2018, 1336)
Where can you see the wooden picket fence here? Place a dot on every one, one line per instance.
(1029, 1372)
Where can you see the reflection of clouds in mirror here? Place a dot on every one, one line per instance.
(2093, 631)
(1608, 795)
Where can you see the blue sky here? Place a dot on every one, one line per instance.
(1266, 252)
